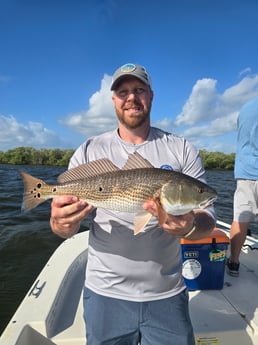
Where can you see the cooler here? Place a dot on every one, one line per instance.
(204, 261)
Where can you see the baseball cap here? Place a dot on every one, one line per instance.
(133, 70)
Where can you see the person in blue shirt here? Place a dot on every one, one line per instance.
(246, 175)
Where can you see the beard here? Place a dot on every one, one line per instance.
(133, 121)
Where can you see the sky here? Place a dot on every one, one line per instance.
(57, 58)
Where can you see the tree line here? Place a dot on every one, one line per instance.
(31, 156)
(57, 157)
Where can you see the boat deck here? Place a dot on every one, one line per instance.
(52, 311)
(230, 315)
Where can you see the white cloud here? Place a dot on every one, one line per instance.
(247, 70)
(214, 128)
(214, 114)
(14, 134)
(165, 123)
(200, 105)
(205, 115)
(100, 116)
(238, 94)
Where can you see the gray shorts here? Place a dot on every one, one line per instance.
(246, 201)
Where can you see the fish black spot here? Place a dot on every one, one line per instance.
(54, 190)
(39, 185)
(38, 195)
(100, 189)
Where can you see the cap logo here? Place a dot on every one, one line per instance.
(127, 68)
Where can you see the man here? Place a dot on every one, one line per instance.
(134, 290)
(246, 175)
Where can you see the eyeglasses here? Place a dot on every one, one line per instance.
(138, 91)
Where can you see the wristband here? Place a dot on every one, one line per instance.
(189, 233)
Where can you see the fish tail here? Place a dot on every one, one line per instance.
(32, 196)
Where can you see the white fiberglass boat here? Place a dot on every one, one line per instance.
(51, 312)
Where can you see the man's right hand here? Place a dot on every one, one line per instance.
(67, 213)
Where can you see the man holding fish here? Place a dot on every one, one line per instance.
(134, 290)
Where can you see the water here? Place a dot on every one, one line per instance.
(26, 240)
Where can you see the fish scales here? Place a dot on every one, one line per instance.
(102, 184)
(123, 190)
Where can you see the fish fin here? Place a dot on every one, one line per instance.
(140, 220)
(94, 168)
(31, 196)
(102, 166)
(136, 161)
